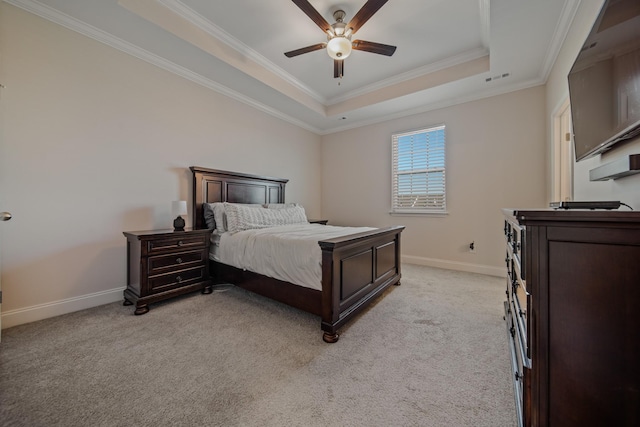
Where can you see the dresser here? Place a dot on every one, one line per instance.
(163, 264)
(572, 314)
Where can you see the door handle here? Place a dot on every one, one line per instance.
(5, 216)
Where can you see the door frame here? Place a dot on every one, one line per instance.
(562, 157)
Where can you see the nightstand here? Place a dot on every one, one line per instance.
(163, 264)
(318, 221)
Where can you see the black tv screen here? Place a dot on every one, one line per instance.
(604, 82)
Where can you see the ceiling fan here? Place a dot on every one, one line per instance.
(339, 44)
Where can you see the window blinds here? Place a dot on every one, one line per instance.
(418, 182)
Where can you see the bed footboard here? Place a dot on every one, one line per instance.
(355, 270)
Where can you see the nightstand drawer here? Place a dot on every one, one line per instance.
(181, 260)
(184, 242)
(175, 279)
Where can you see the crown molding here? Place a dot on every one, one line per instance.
(158, 14)
(199, 21)
(108, 39)
(559, 35)
(488, 93)
(176, 6)
(433, 67)
(179, 8)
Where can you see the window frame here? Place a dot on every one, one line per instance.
(440, 210)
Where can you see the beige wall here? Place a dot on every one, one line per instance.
(495, 159)
(95, 142)
(625, 189)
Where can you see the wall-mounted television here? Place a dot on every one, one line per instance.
(604, 82)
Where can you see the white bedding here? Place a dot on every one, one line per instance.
(289, 252)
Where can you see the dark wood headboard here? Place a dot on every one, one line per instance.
(211, 185)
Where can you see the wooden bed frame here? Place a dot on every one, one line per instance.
(355, 268)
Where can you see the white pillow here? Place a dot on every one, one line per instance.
(215, 216)
(240, 217)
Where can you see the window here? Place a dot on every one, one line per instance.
(418, 181)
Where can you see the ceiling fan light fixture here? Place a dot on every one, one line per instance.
(339, 47)
(339, 44)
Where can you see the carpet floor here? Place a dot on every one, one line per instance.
(431, 352)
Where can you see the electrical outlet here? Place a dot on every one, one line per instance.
(472, 247)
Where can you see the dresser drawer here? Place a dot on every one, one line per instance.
(178, 260)
(184, 242)
(518, 299)
(519, 363)
(515, 236)
(175, 279)
(521, 298)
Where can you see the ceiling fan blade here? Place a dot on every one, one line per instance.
(338, 68)
(312, 13)
(379, 48)
(307, 49)
(365, 12)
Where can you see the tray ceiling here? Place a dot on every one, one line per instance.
(447, 51)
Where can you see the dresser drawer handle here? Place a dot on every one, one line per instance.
(179, 279)
(179, 260)
(179, 242)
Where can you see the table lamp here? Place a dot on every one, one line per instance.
(178, 208)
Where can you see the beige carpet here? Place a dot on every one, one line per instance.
(431, 352)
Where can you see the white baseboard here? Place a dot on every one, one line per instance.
(454, 265)
(56, 308)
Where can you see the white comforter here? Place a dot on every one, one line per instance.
(289, 252)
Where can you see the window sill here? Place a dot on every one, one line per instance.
(419, 213)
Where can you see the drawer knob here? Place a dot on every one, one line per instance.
(179, 279)
(179, 242)
(179, 260)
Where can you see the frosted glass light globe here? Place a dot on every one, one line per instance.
(339, 47)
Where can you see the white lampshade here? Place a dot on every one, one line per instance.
(339, 47)
(179, 207)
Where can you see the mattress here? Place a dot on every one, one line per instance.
(290, 252)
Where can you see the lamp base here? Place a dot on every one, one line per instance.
(178, 224)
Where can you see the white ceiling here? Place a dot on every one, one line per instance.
(446, 51)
